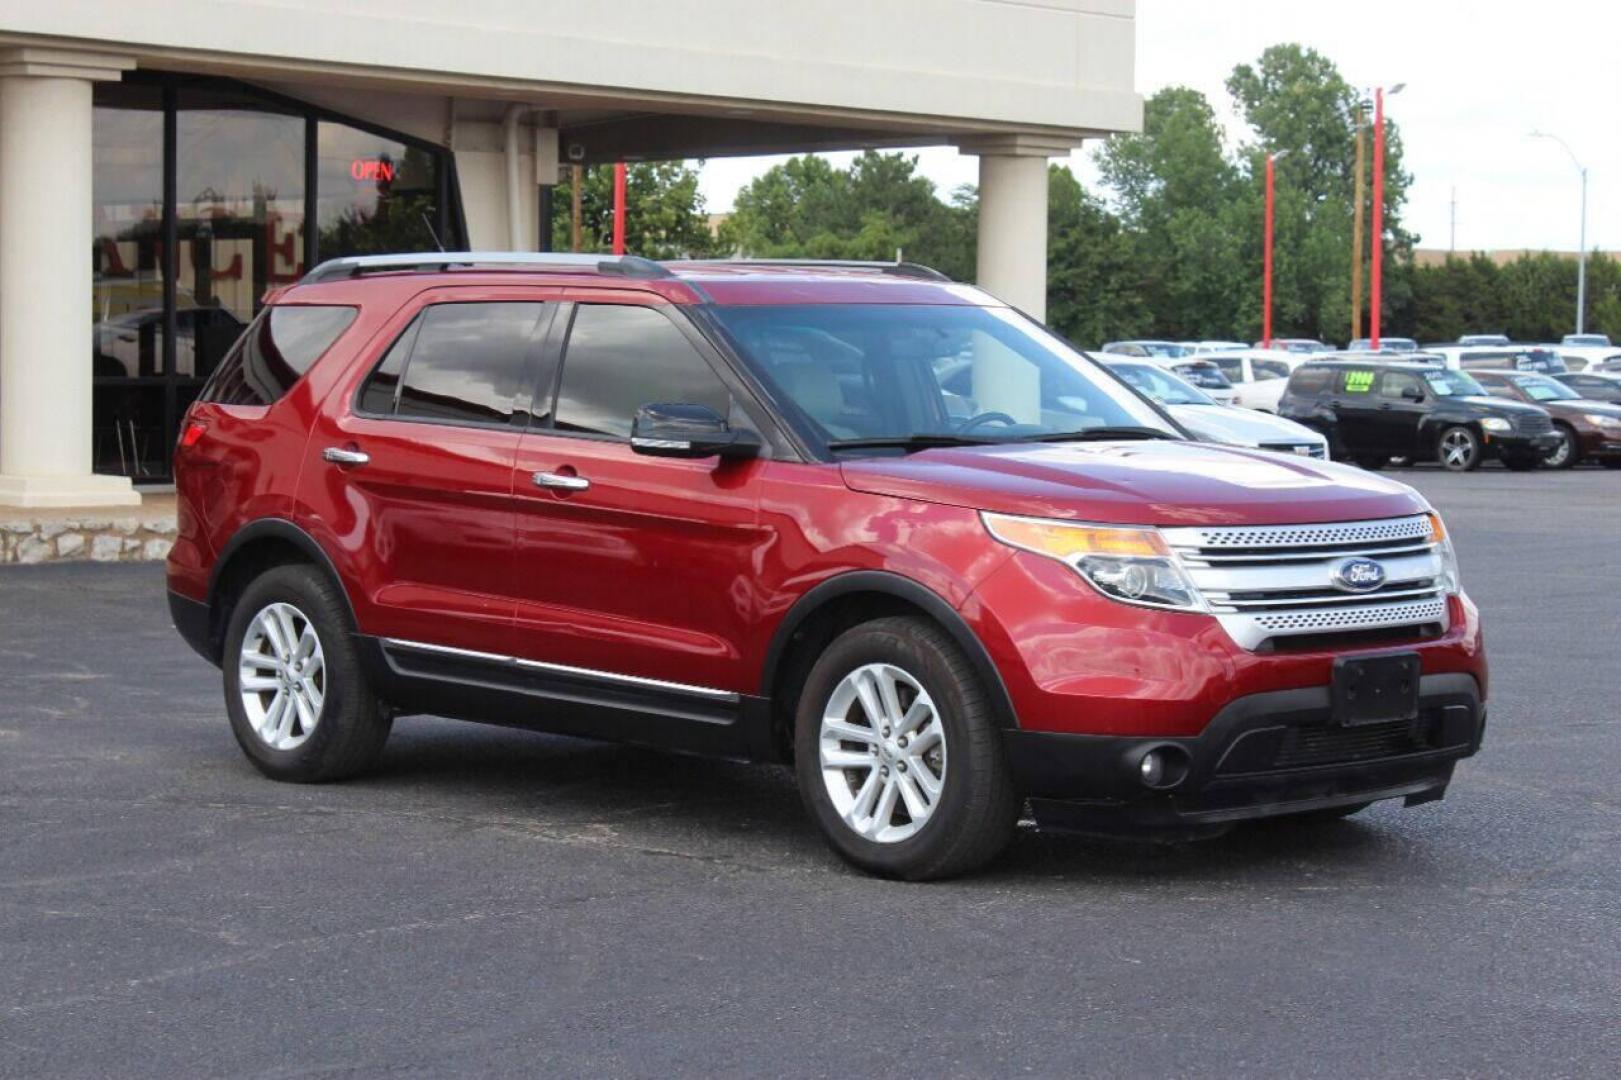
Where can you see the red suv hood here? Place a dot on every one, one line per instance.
(1143, 483)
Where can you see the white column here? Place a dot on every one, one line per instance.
(1013, 217)
(45, 287)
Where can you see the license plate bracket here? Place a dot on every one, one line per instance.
(1375, 689)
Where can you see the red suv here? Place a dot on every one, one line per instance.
(856, 518)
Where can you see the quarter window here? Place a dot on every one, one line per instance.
(621, 357)
(278, 348)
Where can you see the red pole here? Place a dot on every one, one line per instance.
(1266, 262)
(619, 210)
(1378, 232)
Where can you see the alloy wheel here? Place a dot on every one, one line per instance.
(1560, 455)
(1457, 449)
(281, 675)
(883, 753)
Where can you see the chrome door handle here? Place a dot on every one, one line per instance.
(339, 456)
(559, 482)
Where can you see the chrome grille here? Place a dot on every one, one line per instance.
(1312, 450)
(1275, 581)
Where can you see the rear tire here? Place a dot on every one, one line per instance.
(1569, 450)
(1458, 449)
(300, 704)
(864, 780)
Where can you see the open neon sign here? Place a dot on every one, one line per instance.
(372, 169)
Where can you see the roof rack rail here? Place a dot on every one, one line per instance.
(631, 266)
(898, 269)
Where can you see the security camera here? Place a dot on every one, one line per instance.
(576, 151)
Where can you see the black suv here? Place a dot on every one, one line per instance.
(1374, 411)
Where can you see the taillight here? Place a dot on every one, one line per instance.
(192, 434)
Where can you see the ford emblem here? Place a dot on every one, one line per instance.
(1359, 575)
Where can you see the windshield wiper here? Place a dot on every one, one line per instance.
(1099, 434)
(909, 442)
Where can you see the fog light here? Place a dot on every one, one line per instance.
(1163, 767)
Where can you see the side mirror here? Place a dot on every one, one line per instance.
(688, 431)
(1413, 393)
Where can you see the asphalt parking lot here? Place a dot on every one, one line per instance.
(495, 902)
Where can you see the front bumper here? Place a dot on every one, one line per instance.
(1512, 444)
(1262, 755)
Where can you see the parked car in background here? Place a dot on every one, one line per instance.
(1202, 347)
(1374, 411)
(1484, 339)
(1167, 349)
(1594, 385)
(1512, 357)
(1386, 345)
(1204, 374)
(1304, 346)
(1601, 341)
(1584, 357)
(1209, 420)
(728, 510)
(1587, 430)
(1254, 365)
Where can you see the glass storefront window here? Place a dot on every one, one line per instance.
(241, 174)
(376, 195)
(127, 427)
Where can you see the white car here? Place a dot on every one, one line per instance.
(1593, 341)
(1258, 375)
(1308, 346)
(1202, 347)
(1201, 372)
(1147, 347)
(1209, 421)
(1585, 357)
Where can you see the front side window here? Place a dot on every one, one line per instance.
(281, 345)
(463, 363)
(1396, 384)
(901, 371)
(620, 357)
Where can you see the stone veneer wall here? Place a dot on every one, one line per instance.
(122, 539)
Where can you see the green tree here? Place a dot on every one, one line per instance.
(664, 211)
(808, 208)
(1094, 292)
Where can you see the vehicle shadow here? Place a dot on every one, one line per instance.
(751, 814)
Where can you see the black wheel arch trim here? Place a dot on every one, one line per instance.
(887, 583)
(275, 528)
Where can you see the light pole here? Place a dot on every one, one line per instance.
(1375, 274)
(1266, 255)
(1581, 256)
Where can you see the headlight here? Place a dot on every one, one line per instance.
(1131, 565)
(1496, 423)
(1449, 558)
(1603, 421)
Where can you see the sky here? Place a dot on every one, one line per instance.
(1480, 77)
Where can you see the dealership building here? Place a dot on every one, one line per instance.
(163, 165)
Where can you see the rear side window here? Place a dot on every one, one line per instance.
(621, 357)
(1269, 369)
(458, 364)
(275, 350)
(1356, 381)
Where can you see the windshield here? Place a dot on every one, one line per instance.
(1600, 340)
(1204, 375)
(1161, 385)
(904, 371)
(1542, 388)
(1453, 384)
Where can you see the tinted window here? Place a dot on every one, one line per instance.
(383, 385)
(621, 357)
(1309, 380)
(1231, 366)
(1269, 369)
(468, 363)
(281, 345)
(1206, 376)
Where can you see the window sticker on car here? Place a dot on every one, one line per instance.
(1358, 382)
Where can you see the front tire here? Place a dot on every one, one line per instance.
(1372, 462)
(1458, 450)
(898, 757)
(300, 704)
(1567, 453)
